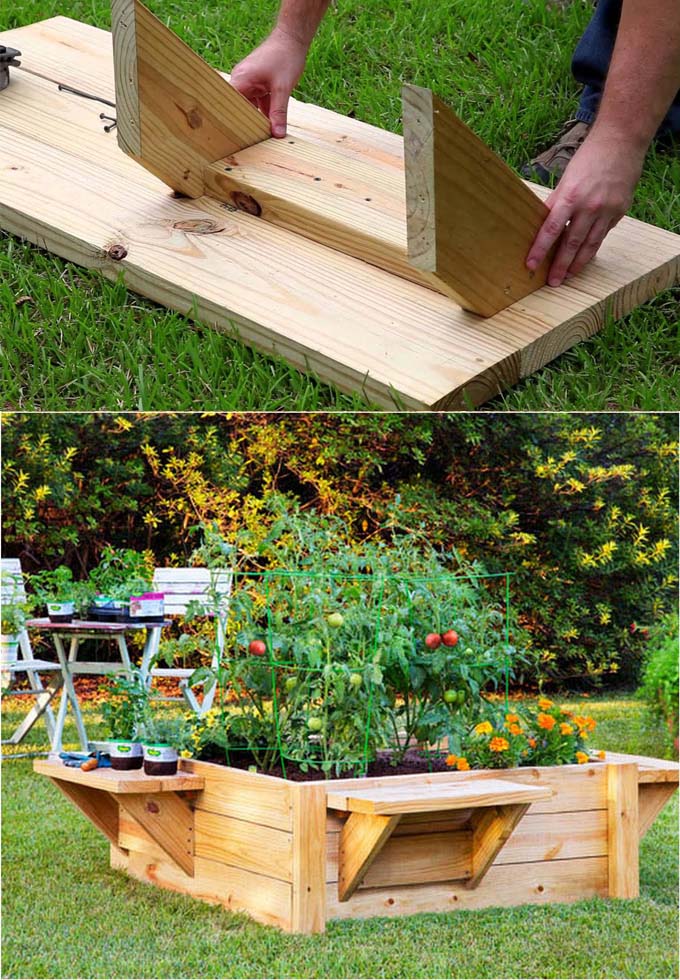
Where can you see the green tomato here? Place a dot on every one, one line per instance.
(356, 680)
(462, 697)
(291, 682)
(335, 620)
(314, 724)
(468, 652)
(451, 696)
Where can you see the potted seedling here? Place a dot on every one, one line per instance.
(125, 712)
(122, 573)
(56, 589)
(163, 739)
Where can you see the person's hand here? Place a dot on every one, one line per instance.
(269, 74)
(593, 195)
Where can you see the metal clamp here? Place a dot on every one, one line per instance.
(8, 56)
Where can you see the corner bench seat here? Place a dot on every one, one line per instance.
(154, 802)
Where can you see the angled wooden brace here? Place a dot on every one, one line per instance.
(470, 219)
(175, 113)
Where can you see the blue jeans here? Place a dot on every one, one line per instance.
(590, 65)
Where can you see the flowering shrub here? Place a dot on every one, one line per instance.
(545, 736)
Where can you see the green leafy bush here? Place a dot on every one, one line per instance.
(660, 686)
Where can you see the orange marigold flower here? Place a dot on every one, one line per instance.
(451, 760)
(511, 718)
(566, 729)
(544, 704)
(567, 714)
(590, 724)
(499, 744)
(463, 765)
(532, 743)
(514, 729)
(484, 728)
(546, 721)
(601, 754)
(581, 758)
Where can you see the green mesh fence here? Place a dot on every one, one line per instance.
(323, 669)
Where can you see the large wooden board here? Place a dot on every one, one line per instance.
(357, 326)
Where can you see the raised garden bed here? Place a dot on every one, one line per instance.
(296, 854)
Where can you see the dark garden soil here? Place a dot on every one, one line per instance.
(413, 762)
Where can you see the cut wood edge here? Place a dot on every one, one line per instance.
(470, 219)
(361, 841)
(175, 113)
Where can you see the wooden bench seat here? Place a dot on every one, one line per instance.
(153, 801)
(496, 806)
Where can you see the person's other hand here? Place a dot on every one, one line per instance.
(268, 75)
(593, 195)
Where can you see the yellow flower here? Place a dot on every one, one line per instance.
(544, 704)
(451, 760)
(462, 765)
(499, 744)
(512, 718)
(546, 721)
(484, 728)
(601, 754)
(185, 754)
(566, 729)
(581, 758)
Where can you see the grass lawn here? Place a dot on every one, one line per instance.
(66, 914)
(81, 342)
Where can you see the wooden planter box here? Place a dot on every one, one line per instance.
(295, 855)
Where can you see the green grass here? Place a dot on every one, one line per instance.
(81, 342)
(67, 915)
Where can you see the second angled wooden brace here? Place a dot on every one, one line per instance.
(175, 113)
(470, 219)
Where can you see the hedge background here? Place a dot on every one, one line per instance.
(583, 508)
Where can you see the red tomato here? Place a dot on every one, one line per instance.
(450, 638)
(257, 648)
(432, 641)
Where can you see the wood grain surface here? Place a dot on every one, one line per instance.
(351, 323)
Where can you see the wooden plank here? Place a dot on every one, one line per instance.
(245, 795)
(503, 886)
(267, 900)
(361, 840)
(119, 782)
(491, 828)
(243, 844)
(175, 113)
(576, 787)
(624, 833)
(429, 798)
(309, 858)
(652, 798)
(471, 220)
(414, 858)
(98, 806)
(399, 342)
(169, 820)
(649, 770)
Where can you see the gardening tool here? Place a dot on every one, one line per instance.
(8, 56)
(79, 760)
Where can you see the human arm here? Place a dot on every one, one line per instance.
(268, 75)
(598, 185)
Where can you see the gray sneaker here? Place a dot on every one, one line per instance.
(548, 167)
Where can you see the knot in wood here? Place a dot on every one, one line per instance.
(199, 226)
(152, 807)
(244, 202)
(116, 252)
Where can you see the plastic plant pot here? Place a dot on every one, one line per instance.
(149, 607)
(160, 760)
(61, 612)
(107, 610)
(126, 754)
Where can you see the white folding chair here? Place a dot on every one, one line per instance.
(180, 587)
(12, 589)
